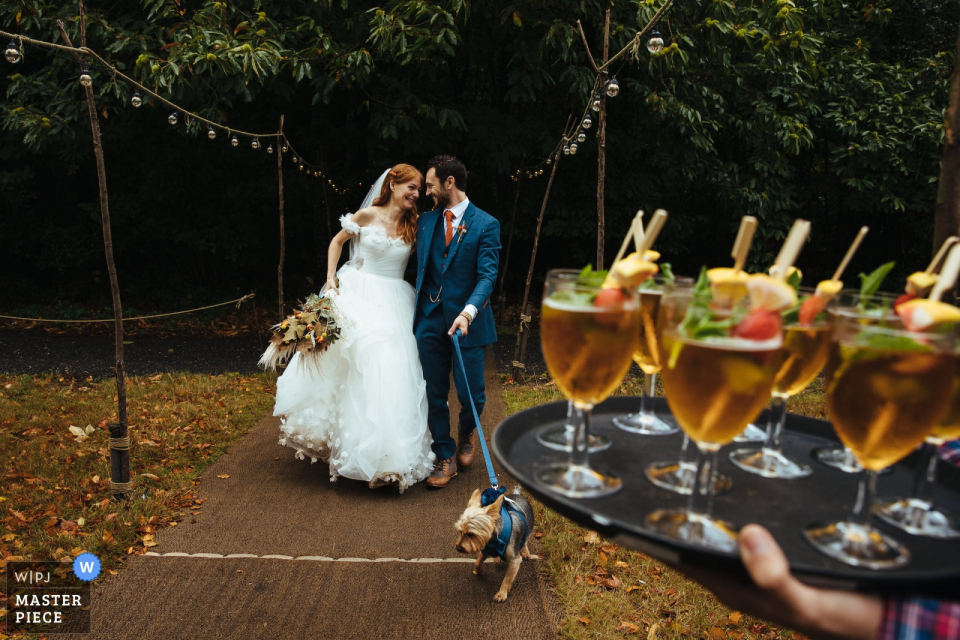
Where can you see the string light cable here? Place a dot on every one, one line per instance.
(14, 54)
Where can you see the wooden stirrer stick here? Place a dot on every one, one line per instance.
(629, 236)
(638, 232)
(790, 249)
(653, 230)
(741, 246)
(948, 275)
(949, 242)
(852, 250)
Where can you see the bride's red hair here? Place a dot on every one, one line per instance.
(401, 174)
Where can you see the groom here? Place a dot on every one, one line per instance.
(458, 249)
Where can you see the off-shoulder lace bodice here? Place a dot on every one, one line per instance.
(379, 254)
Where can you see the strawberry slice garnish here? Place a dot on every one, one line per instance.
(907, 297)
(810, 309)
(612, 297)
(759, 325)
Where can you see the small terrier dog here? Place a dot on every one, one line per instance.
(480, 531)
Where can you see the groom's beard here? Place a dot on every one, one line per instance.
(442, 199)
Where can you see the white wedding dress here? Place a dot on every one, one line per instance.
(362, 405)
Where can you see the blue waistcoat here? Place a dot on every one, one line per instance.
(437, 260)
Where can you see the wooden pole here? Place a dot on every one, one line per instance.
(119, 444)
(947, 210)
(283, 239)
(519, 350)
(602, 151)
(502, 299)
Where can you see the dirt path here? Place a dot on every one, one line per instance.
(279, 551)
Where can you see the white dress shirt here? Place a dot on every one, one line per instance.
(458, 211)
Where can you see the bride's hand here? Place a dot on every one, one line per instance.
(331, 284)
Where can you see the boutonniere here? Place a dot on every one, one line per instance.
(461, 231)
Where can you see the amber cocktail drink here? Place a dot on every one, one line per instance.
(917, 514)
(588, 336)
(886, 389)
(804, 352)
(647, 357)
(714, 385)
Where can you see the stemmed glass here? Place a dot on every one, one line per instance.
(679, 475)
(886, 390)
(877, 309)
(588, 335)
(805, 349)
(561, 438)
(917, 514)
(647, 357)
(752, 433)
(714, 384)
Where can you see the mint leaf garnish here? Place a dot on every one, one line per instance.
(889, 343)
(871, 283)
(590, 277)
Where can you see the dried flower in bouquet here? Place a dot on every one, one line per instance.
(310, 331)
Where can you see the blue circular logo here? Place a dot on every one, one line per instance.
(86, 566)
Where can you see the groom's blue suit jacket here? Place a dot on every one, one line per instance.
(470, 270)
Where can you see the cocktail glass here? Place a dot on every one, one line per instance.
(647, 357)
(714, 386)
(588, 336)
(804, 352)
(886, 390)
(917, 514)
(561, 438)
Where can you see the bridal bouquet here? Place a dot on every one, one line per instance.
(311, 330)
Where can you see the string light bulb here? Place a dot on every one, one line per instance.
(549, 160)
(12, 53)
(596, 103)
(136, 100)
(655, 43)
(294, 158)
(85, 78)
(269, 149)
(283, 149)
(172, 119)
(301, 166)
(613, 88)
(233, 141)
(566, 149)
(581, 137)
(211, 133)
(255, 144)
(573, 148)
(587, 122)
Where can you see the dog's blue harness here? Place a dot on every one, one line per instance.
(498, 546)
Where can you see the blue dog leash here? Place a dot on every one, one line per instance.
(476, 417)
(497, 546)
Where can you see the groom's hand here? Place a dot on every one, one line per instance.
(460, 323)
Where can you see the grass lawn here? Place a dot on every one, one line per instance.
(56, 500)
(607, 591)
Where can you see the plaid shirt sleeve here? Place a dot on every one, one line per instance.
(920, 619)
(950, 451)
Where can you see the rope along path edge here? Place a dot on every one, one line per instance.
(238, 301)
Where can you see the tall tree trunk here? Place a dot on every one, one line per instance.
(947, 211)
(119, 442)
(283, 238)
(502, 299)
(602, 151)
(519, 351)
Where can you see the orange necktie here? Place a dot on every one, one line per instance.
(449, 216)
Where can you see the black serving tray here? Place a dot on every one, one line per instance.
(782, 506)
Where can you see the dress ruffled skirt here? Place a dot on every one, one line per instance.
(361, 406)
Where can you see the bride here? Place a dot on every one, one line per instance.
(361, 406)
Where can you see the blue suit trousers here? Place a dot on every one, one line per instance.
(437, 358)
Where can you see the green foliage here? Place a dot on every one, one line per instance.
(827, 110)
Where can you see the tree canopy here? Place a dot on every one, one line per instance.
(827, 110)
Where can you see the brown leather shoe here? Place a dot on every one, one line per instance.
(442, 473)
(465, 450)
